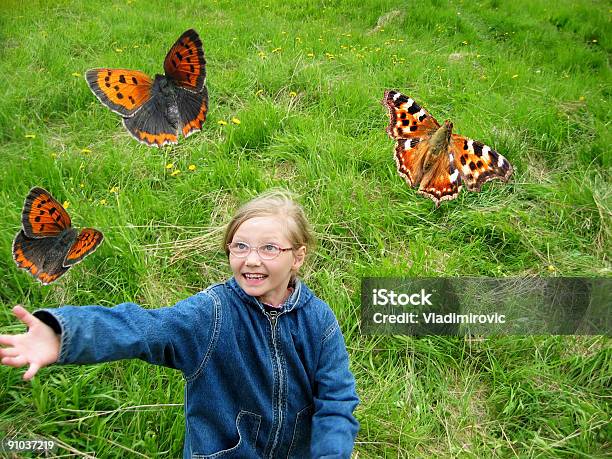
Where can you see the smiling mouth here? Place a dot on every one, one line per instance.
(252, 276)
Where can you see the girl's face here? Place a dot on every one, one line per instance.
(265, 279)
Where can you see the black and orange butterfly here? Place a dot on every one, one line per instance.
(155, 111)
(434, 159)
(47, 245)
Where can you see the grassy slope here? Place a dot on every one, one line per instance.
(305, 80)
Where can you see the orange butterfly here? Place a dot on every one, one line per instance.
(431, 157)
(47, 245)
(154, 112)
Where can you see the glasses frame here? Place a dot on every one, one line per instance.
(257, 250)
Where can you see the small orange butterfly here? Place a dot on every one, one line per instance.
(431, 157)
(155, 111)
(47, 245)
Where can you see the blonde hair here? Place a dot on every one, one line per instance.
(274, 203)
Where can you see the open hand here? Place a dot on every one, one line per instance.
(38, 347)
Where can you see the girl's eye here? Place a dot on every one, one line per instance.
(269, 248)
(240, 245)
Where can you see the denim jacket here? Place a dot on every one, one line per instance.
(257, 383)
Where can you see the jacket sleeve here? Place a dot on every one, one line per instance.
(334, 427)
(177, 337)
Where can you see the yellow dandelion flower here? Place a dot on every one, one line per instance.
(76, 74)
(136, 46)
(102, 202)
(222, 122)
(82, 185)
(192, 167)
(118, 50)
(581, 98)
(515, 76)
(594, 40)
(85, 151)
(276, 50)
(169, 165)
(175, 172)
(114, 189)
(259, 92)
(30, 136)
(261, 54)
(551, 268)
(235, 120)
(310, 54)
(298, 39)
(66, 204)
(292, 94)
(53, 155)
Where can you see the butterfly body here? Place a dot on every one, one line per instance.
(432, 158)
(155, 111)
(47, 245)
(439, 142)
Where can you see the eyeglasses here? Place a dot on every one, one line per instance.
(265, 251)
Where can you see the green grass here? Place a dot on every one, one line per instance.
(528, 78)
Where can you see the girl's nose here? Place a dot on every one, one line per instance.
(253, 259)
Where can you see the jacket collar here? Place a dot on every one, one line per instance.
(298, 298)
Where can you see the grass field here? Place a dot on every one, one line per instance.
(295, 90)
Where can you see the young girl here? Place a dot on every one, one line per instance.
(265, 365)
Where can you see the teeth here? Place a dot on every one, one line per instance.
(254, 276)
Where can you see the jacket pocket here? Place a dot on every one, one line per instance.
(300, 443)
(247, 425)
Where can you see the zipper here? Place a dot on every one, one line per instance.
(273, 318)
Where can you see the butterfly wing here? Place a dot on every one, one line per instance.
(192, 109)
(156, 123)
(42, 215)
(87, 242)
(185, 63)
(38, 256)
(441, 181)
(408, 120)
(123, 91)
(478, 163)
(412, 126)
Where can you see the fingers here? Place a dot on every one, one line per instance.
(8, 352)
(7, 340)
(22, 314)
(17, 361)
(32, 370)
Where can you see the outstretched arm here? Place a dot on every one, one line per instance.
(38, 347)
(178, 336)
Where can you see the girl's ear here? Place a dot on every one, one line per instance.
(299, 256)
